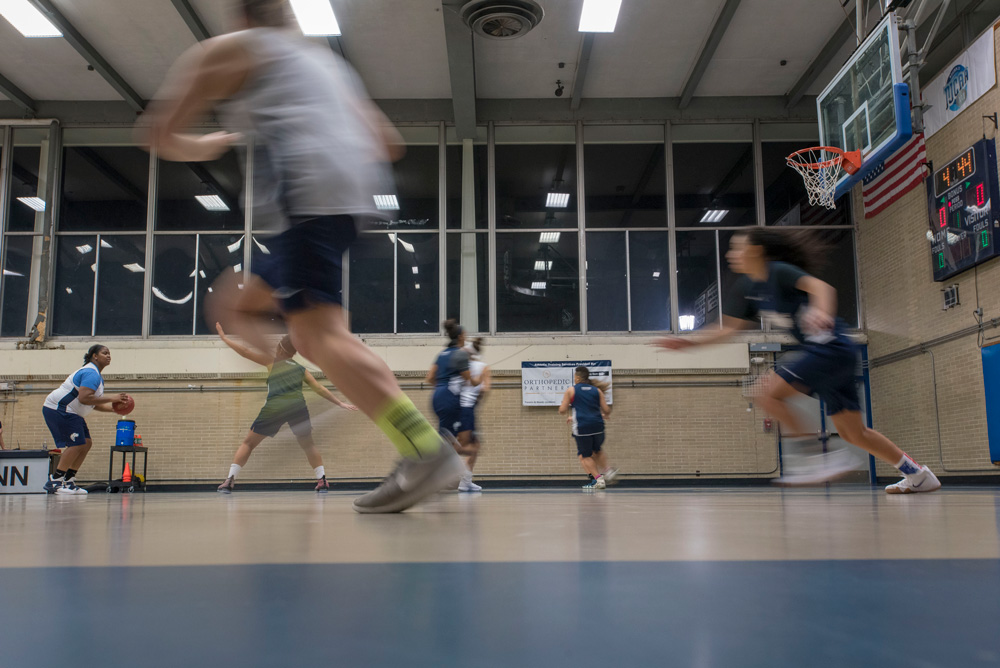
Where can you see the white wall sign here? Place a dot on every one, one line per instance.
(544, 383)
(961, 83)
(23, 472)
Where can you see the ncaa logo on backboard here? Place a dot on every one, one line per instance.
(956, 88)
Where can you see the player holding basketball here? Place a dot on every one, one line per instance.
(469, 399)
(285, 404)
(588, 409)
(449, 373)
(64, 411)
(322, 146)
(776, 285)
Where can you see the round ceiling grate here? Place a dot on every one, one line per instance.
(502, 19)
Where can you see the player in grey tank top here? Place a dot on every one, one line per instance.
(324, 149)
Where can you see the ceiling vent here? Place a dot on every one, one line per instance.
(502, 19)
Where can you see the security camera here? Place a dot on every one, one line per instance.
(559, 88)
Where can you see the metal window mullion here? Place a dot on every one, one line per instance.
(395, 283)
(442, 226)
(345, 274)
(581, 220)
(97, 274)
(248, 211)
(671, 229)
(628, 279)
(6, 160)
(758, 174)
(492, 221)
(197, 260)
(147, 278)
(718, 278)
(52, 188)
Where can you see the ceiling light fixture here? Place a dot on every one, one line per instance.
(538, 285)
(549, 237)
(36, 203)
(543, 265)
(26, 18)
(105, 244)
(557, 200)
(714, 215)
(599, 15)
(686, 322)
(656, 274)
(315, 17)
(183, 300)
(386, 203)
(135, 268)
(212, 202)
(416, 270)
(84, 249)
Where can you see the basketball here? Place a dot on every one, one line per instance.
(123, 407)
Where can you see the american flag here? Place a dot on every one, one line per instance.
(895, 176)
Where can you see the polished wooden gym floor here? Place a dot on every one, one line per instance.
(845, 576)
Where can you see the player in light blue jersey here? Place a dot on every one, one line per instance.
(64, 410)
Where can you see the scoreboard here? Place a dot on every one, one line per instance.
(963, 227)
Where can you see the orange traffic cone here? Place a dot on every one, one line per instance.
(127, 476)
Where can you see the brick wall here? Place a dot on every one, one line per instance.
(654, 431)
(903, 307)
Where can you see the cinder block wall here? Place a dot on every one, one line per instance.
(903, 307)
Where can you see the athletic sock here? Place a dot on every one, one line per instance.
(60, 474)
(407, 428)
(319, 472)
(234, 470)
(907, 466)
(70, 474)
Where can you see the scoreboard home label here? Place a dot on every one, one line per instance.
(959, 197)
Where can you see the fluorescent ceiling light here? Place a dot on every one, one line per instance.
(599, 15)
(656, 274)
(235, 246)
(93, 267)
(212, 202)
(27, 19)
(386, 203)
(538, 285)
(418, 285)
(714, 215)
(84, 249)
(262, 247)
(408, 247)
(416, 270)
(36, 203)
(183, 300)
(238, 268)
(549, 237)
(557, 200)
(686, 322)
(315, 17)
(69, 291)
(105, 244)
(542, 265)
(8, 272)
(210, 289)
(135, 268)
(201, 272)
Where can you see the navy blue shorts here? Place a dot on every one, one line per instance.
(305, 265)
(586, 446)
(68, 429)
(269, 421)
(467, 416)
(825, 370)
(447, 409)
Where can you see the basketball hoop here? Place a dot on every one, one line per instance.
(820, 168)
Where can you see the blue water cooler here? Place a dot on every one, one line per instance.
(125, 435)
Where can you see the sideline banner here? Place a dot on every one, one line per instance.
(961, 83)
(545, 383)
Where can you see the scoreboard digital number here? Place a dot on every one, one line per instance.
(963, 227)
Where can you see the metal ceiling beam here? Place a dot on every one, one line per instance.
(581, 69)
(705, 57)
(461, 67)
(90, 54)
(816, 67)
(191, 18)
(17, 96)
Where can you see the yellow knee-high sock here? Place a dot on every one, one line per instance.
(407, 428)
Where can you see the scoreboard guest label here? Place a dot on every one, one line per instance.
(963, 226)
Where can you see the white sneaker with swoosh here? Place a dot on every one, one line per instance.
(924, 481)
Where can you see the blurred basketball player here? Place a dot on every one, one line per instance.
(322, 146)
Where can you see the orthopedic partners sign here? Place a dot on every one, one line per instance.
(544, 383)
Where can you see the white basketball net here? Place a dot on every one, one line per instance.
(821, 181)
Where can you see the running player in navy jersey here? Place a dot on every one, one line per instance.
(776, 286)
(587, 410)
(321, 149)
(449, 373)
(285, 404)
(469, 398)
(64, 412)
